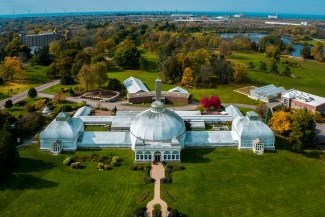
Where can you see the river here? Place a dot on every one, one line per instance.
(256, 37)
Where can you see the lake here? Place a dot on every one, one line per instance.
(256, 37)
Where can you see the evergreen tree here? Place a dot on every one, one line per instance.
(32, 93)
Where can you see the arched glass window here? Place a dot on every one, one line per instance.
(175, 155)
(139, 155)
(167, 155)
(147, 155)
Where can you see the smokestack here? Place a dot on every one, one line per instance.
(158, 89)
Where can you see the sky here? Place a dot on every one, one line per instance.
(316, 7)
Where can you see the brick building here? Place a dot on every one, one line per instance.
(296, 99)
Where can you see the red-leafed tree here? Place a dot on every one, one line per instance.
(210, 103)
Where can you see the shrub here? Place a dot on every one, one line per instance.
(76, 165)
(68, 161)
(107, 167)
(156, 211)
(147, 177)
(32, 93)
(1, 80)
(136, 167)
(140, 212)
(8, 103)
(100, 166)
(21, 103)
(114, 161)
(30, 107)
(173, 212)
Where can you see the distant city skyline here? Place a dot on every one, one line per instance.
(314, 7)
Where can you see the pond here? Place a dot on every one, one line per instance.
(256, 37)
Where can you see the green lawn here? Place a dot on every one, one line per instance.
(229, 182)
(310, 75)
(96, 128)
(31, 76)
(43, 186)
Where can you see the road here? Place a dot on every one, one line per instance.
(23, 95)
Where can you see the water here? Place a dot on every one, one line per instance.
(195, 13)
(256, 37)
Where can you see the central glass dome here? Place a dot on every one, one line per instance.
(158, 124)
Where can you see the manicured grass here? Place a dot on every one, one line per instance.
(96, 128)
(58, 88)
(229, 182)
(309, 75)
(43, 186)
(225, 92)
(312, 42)
(31, 76)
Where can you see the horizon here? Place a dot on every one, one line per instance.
(316, 7)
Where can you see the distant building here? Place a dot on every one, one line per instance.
(134, 85)
(268, 93)
(274, 17)
(37, 41)
(299, 100)
(286, 23)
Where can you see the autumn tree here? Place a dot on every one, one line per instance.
(213, 102)
(273, 52)
(306, 52)
(239, 73)
(225, 48)
(187, 79)
(302, 134)
(317, 51)
(281, 122)
(11, 66)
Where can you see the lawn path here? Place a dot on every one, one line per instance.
(23, 95)
(157, 173)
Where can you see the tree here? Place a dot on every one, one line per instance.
(114, 84)
(170, 70)
(262, 66)
(187, 79)
(302, 134)
(240, 72)
(210, 103)
(225, 48)
(274, 67)
(29, 124)
(306, 52)
(251, 65)
(93, 75)
(287, 71)
(42, 57)
(8, 153)
(317, 51)
(8, 103)
(11, 67)
(143, 63)
(32, 93)
(18, 49)
(281, 122)
(273, 52)
(127, 55)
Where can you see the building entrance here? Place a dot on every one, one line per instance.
(157, 156)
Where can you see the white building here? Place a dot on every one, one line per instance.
(157, 134)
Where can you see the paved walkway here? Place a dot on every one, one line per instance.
(23, 95)
(157, 172)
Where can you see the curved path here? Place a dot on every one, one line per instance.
(124, 106)
(157, 172)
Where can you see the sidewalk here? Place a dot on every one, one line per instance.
(157, 172)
